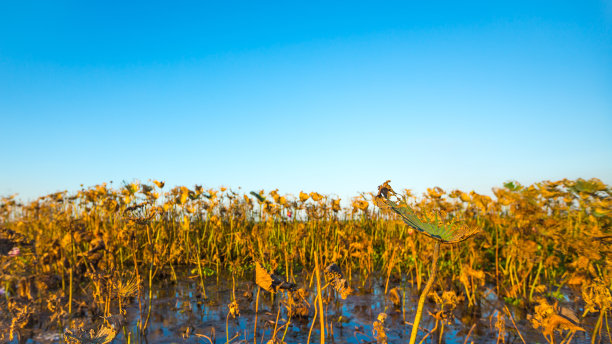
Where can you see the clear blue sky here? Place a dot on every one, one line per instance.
(334, 97)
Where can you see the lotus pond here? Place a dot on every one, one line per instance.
(136, 264)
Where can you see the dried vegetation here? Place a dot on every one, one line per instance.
(74, 261)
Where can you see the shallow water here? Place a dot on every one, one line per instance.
(180, 314)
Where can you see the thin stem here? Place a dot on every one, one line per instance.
(70, 295)
(200, 270)
(286, 328)
(469, 333)
(276, 325)
(227, 327)
(535, 280)
(497, 258)
(430, 332)
(314, 318)
(597, 326)
(256, 308)
(432, 277)
(513, 323)
(608, 327)
(320, 296)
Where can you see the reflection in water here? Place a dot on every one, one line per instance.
(181, 315)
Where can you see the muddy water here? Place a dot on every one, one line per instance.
(181, 314)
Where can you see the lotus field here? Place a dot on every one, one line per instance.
(141, 263)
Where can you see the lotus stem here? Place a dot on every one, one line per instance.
(320, 297)
(598, 325)
(276, 325)
(227, 327)
(286, 328)
(70, 294)
(200, 271)
(514, 323)
(314, 318)
(469, 333)
(608, 327)
(535, 281)
(432, 277)
(256, 308)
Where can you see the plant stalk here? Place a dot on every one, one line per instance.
(320, 297)
(432, 277)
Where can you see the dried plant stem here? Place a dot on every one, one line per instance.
(227, 327)
(568, 338)
(608, 327)
(200, 271)
(256, 309)
(469, 333)
(314, 318)
(70, 294)
(108, 300)
(320, 297)
(119, 301)
(598, 326)
(404, 303)
(430, 332)
(204, 336)
(389, 270)
(432, 277)
(535, 280)
(497, 259)
(263, 335)
(286, 328)
(513, 323)
(150, 304)
(233, 287)
(286, 264)
(276, 325)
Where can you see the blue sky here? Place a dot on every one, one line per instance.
(310, 96)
